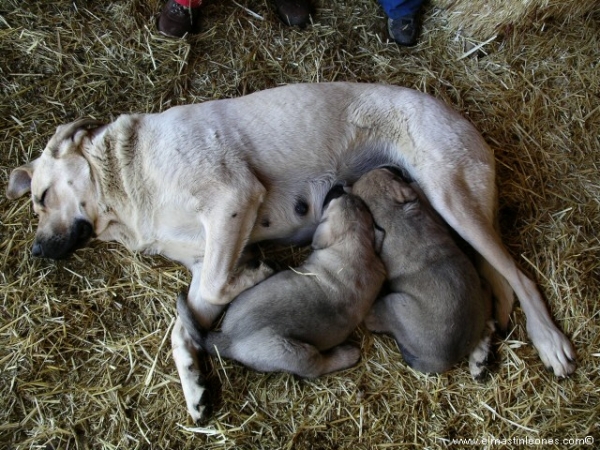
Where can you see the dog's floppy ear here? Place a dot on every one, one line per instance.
(67, 131)
(19, 182)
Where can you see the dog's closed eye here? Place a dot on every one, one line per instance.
(41, 201)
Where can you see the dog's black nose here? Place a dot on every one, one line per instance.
(36, 250)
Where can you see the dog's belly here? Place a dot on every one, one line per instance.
(291, 213)
(293, 206)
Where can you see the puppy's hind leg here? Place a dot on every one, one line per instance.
(267, 353)
(377, 320)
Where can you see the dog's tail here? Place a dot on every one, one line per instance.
(191, 325)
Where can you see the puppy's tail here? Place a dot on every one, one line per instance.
(191, 325)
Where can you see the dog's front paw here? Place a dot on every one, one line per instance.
(196, 399)
(555, 350)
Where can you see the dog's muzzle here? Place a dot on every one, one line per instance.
(60, 246)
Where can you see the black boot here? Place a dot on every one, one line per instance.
(294, 12)
(176, 20)
(405, 30)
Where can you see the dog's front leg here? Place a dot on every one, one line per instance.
(185, 350)
(192, 380)
(217, 280)
(228, 231)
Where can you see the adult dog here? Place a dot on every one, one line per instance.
(197, 183)
(298, 320)
(435, 305)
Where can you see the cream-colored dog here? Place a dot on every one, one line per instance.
(298, 320)
(198, 183)
(435, 305)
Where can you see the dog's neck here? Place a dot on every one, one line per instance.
(105, 154)
(124, 198)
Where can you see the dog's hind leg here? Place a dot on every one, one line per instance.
(503, 292)
(468, 208)
(185, 341)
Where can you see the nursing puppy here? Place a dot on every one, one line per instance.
(436, 308)
(297, 320)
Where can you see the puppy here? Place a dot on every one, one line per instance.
(436, 308)
(297, 320)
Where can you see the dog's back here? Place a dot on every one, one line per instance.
(436, 308)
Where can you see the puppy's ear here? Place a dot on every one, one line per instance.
(379, 237)
(19, 182)
(324, 234)
(402, 192)
(322, 237)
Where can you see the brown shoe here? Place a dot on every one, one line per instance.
(294, 12)
(176, 20)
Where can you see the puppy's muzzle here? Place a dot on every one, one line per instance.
(336, 191)
(59, 246)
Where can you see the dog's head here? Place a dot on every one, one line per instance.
(62, 192)
(344, 218)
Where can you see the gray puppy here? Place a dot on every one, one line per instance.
(296, 320)
(437, 308)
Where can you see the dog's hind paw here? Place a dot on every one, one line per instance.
(555, 350)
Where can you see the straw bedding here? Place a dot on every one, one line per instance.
(84, 355)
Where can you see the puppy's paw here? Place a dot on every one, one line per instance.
(344, 356)
(265, 270)
(374, 323)
(252, 274)
(479, 357)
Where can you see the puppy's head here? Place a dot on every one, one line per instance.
(345, 218)
(62, 191)
(382, 185)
